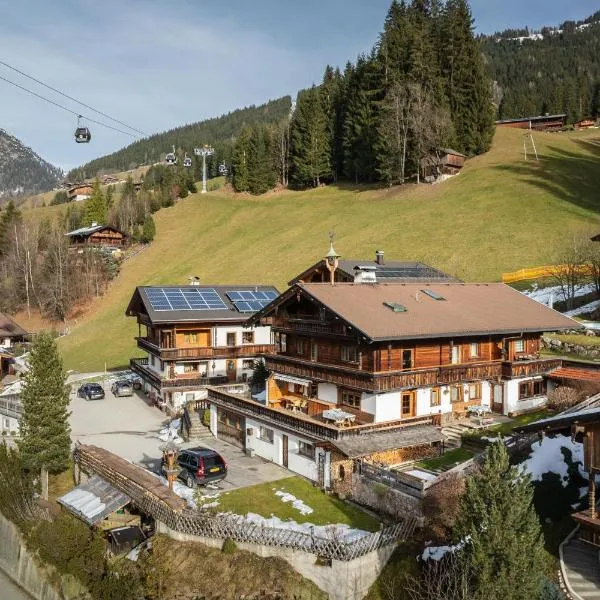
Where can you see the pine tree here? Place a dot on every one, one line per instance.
(240, 161)
(496, 518)
(262, 172)
(148, 230)
(95, 206)
(45, 442)
(311, 140)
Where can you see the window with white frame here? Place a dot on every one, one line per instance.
(248, 364)
(435, 397)
(519, 345)
(265, 434)
(247, 337)
(307, 450)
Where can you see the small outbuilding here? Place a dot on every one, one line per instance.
(79, 192)
(97, 236)
(441, 164)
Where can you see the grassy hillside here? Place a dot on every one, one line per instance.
(500, 214)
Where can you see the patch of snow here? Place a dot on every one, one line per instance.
(583, 309)
(339, 530)
(546, 457)
(296, 503)
(424, 475)
(438, 552)
(543, 295)
(183, 491)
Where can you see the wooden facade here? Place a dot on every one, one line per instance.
(97, 237)
(539, 123)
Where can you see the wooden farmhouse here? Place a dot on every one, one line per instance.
(585, 124)
(197, 335)
(442, 164)
(540, 123)
(368, 371)
(79, 192)
(97, 236)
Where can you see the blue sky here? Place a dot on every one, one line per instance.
(157, 65)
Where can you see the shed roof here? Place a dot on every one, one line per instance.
(94, 500)
(9, 328)
(462, 309)
(538, 118)
(380, 441)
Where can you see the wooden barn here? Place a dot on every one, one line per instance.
(540, 123)
(79, 192)
(442, 164)
(97, 236)
(585, 124)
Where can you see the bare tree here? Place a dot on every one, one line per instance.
(593, 260)
(444, 579)
(562, 397)
(440, 506)
(569, 272)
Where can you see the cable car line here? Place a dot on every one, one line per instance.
(78, 115)
(71, 98)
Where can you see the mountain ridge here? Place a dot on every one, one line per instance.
(22, 170)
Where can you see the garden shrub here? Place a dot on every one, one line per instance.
(229, 546)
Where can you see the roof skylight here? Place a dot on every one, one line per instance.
(395, 306)
(432, 294)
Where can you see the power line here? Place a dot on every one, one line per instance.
(71, 98)
(64, 107)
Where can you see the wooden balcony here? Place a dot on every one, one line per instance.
(140, 367)
(300, 422)
(383, 381)
(529, 368)
(310, 326)
(247, 350)
(589, 527)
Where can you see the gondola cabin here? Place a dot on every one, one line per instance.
(82, 135)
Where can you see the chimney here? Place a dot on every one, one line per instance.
(365, 274)
(94, 224)
(379, 257)
(194, 280)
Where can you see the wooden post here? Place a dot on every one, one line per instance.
(592, 494)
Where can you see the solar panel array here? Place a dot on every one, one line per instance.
(251, 301)
(405, 272)
(190, 298)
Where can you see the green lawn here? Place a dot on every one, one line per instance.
(498, 201)
(581, 340)
(261, 500)
(448, 459)
(505, 429)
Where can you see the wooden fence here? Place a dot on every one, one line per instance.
(538, 272)
(169, 509)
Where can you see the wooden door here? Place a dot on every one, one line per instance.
(284, 450)
(231, 373)
(407, 405)
(498, 398)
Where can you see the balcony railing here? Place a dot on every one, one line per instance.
(300, 422)
(381, 382)
(140, 367)
(310, 326)
(246, 350)
(511, 370)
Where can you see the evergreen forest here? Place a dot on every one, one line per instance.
(559, 73)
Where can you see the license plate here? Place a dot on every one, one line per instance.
(214, 470)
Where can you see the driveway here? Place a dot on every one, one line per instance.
(129, 427)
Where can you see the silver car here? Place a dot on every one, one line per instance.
(122, 387)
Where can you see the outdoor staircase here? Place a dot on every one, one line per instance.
(582, 569)
(454, 432)
(197, 430)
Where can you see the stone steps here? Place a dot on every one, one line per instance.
(582, 569)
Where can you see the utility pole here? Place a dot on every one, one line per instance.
(204, 152)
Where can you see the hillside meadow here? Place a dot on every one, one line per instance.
(502, 213)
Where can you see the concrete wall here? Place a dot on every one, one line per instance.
(342, 580)
(327, 392)
(20, 566)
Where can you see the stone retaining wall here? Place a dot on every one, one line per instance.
(556, 345)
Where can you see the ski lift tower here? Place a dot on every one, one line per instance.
(204, 152)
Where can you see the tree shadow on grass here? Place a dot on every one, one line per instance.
(569, 176)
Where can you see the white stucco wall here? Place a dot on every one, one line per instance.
(327, 392)
(262, 335)
(213, 419)
(511, 396)
(274, 452)
(387, 407)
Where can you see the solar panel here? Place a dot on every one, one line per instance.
(251, 300)
(163, 299)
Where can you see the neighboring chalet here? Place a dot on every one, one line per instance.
(10, 334)
(351, 269)
(540, 123)
(97, 236)
(79, 192)
(585, 124)
(197, 335)
(441, 165)
(369, 371)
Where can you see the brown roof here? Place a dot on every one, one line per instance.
(8, 328)
(575, 374)
(466, 309)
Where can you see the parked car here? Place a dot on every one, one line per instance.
(91, 391)
(199, 466)
(122, 387)
(134, 380)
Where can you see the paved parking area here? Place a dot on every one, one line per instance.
(129, 427)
